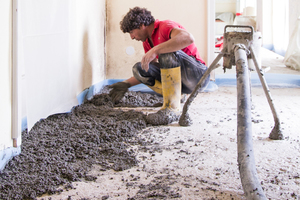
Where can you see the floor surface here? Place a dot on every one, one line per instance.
(200, 161)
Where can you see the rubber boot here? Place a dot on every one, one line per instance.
(171, 89)
(157, 87)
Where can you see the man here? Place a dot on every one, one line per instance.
(171, 65)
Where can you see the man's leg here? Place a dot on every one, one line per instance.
(152, 78)
(180, 73)
(171, 90)
(191, 72)
(171, 81)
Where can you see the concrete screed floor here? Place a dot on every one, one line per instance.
(200, 161)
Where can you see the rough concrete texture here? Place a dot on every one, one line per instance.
(170, 162)
(185, 119)
(134, 99)
(162, 117)
(63, 147)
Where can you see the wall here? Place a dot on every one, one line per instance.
(61, 51)
(225, 6)
(264, 22)
(294, 13)
(5, 73)
(276, 21)
(192, 15)
(241, 4)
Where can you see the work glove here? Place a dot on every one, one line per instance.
(118, 91)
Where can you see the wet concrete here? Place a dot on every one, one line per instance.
(62, 148)
(135, 99)
(185, 119)
(162, 117)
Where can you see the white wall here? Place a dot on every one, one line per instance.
(294, 13)
(192, 15)
(274, 18)
(61, 49)
(5, 73)
(225, 6)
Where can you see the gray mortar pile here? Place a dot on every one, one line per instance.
(62, 148)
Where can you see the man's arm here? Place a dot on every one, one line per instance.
(132, 81)
(179, 39)
(120, 88)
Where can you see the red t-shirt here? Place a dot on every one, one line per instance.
(161, 33)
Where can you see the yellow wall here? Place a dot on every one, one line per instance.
(192, 14)
(5, 73)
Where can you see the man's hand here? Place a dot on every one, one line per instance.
(118, 91)
(147, 58)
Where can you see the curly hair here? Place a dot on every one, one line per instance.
(135, 18)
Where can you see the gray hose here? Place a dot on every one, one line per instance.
(246, 161)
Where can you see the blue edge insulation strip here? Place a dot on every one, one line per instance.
(273, 81)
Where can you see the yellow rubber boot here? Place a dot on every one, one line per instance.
(157, 87)
(171, 88)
